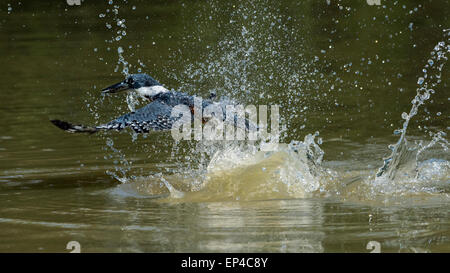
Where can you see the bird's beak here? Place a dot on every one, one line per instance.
(121, 86)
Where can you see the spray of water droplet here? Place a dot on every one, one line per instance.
(398, 157)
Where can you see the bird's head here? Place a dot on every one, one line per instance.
(142, 83)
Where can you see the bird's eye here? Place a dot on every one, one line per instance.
(130, 81)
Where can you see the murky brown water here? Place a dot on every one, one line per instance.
(347, 72)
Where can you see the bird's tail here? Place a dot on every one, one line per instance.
(68, 127)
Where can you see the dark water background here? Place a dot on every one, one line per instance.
(345, 69)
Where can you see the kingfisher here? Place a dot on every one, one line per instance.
(155, 116)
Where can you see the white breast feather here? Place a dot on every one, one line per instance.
(151, 91)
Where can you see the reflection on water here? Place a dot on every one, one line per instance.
(102, 221)
(346, 70)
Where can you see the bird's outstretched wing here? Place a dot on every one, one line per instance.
(155, 116)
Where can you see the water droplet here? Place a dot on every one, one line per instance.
(405, 115)
(425, 96)
(420, 80)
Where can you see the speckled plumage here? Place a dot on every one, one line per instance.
(155, 116)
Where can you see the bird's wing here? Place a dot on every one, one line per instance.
(155, 116)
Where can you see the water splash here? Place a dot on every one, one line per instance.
(235, 171)
(238, 171)
(117, 26)
(121, 165)
(253, 61)
(401, 153)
